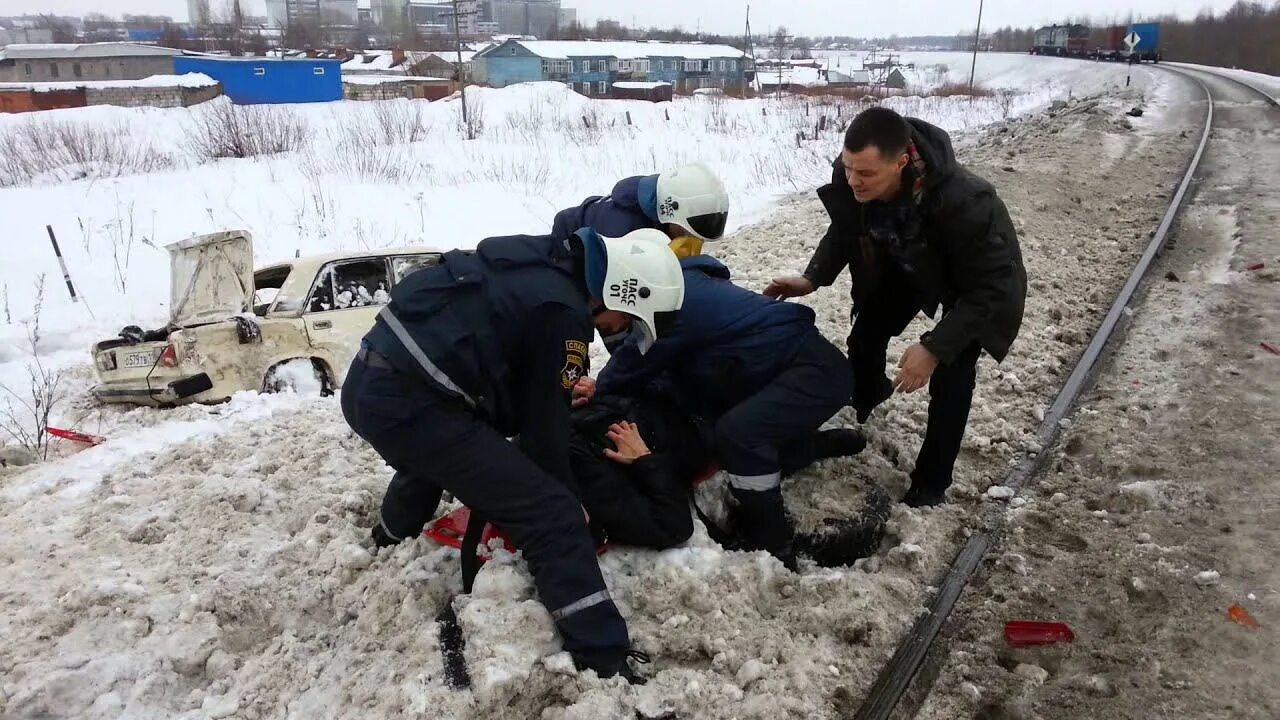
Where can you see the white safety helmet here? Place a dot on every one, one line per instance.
(643, 279)
(692, 197)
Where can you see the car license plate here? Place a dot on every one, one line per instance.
(136, 360)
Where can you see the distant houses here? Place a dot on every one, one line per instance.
(593, 67)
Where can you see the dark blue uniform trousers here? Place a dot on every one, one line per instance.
(751, 435)
(433, 442)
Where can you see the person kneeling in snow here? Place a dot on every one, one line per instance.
(759, 370)
(636, 460)
(484, 346)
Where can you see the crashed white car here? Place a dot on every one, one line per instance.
(232, 329)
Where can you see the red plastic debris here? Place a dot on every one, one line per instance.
(448, 530)
(1025, 633)
(1256, 266)
(1270, 348)
(75, 436)
(1240, 616)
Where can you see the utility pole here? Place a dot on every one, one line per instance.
(457, 16)
(782, 39)
(976, 34)
(748, 54)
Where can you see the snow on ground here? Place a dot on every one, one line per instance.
(209, 562)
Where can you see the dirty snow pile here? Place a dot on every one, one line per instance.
(214, 562)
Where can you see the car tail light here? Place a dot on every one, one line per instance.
(106, 361)
(169, 358)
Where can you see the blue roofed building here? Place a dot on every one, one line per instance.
(592, 67)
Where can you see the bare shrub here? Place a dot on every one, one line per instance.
(953, 89)
(357, 156)
(67, 150)
(472, 126)
(25, 416)
(398, 122)
(226, 130)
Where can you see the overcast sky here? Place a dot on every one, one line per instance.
(805, 17)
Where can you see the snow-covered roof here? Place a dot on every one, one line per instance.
(640, 85)
(626, 50)
(369, 62)
(453, 56)
(386, 79)
(84, 50)
(187, 80)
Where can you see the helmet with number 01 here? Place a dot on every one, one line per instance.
(643, 279)
(693, 197)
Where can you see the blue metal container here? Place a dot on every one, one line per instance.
(256, 81)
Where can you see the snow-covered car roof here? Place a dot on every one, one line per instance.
(315, 262)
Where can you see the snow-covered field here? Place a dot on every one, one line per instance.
(206, 562)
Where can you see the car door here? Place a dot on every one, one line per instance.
(344, 300)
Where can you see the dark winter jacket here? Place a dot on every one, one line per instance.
(646, 503)
(504, 329)
(633, 205)
(955, 240)
(725, 344)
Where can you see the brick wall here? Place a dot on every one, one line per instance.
(394, 90)
(163, 97)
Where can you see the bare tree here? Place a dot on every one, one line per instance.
(25, 416)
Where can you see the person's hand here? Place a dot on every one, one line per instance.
(626, 438)
(914, 369)
(583, 391)
(789, 286)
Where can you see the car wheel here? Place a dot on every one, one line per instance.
(303, 376)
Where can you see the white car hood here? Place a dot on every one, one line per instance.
(211, 278)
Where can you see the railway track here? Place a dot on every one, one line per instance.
(901, 687)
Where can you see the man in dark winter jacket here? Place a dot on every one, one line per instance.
(485, 346)
(917, 232)
(757, 370)
(635, 461)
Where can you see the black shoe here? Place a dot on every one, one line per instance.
(918, 497)
(844, 541)
(624, 669)
(863, 406)
(843, 442)
(380, 537)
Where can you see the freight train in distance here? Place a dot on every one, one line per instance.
(1074, 41)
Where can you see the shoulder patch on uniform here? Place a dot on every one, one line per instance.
(575, 363)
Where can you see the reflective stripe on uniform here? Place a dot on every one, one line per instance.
(591, 600)
(415, 350)
(383, 522)
(755, 482)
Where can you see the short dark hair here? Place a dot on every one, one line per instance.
(880, 127)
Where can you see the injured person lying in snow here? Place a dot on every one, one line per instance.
(636, 461)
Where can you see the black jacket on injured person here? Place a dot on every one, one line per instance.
(647, 503)
(957, 242)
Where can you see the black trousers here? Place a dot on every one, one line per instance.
(433, 443)
(755, 439)
(884, 315)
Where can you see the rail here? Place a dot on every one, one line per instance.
(898, 675)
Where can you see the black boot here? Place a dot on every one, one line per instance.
(920, 496)
(762, 524)
(844, 541)
(865, 402)
(620, 666)
(381, 539)
(842, 442)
